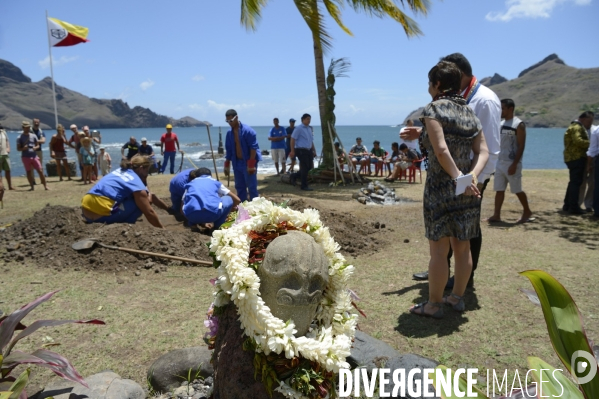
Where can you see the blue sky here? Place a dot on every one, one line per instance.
(193, 58)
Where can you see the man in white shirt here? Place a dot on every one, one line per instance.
(593, 162)
(586, 194)
(486, 106)
(413, 144)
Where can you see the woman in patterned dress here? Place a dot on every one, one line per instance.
(451, 133)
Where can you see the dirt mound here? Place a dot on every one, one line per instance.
(46, 239)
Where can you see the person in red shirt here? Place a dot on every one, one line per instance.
(167, 148)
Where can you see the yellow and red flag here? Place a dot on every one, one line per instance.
(66, 34)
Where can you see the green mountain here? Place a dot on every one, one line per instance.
(23, 99)
(547, 94)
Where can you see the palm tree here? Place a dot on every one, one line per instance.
(312, 11)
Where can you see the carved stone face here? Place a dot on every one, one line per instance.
(293, 276)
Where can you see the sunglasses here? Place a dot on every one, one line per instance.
(231, 120)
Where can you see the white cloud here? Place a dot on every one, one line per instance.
(197, 78)
(196, 107)
(45, 63)
(530, 9)
(355, 109)
(224, 107)
(146, 84)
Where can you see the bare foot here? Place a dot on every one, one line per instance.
(46, 187)
(493, 220)
(11, 188)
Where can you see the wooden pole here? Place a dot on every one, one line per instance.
(52, 72)
(212, 152)
(350, 165)
(335, 160)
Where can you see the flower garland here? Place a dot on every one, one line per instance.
(329, 340)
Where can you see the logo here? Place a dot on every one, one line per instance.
(580, 367)
(58, 33)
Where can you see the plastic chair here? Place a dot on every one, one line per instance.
(416, 166)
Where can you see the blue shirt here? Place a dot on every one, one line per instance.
(248, 141)
(39, 134)
(177, 186)
(303, 137)
(145, 150)
(28, 142)
(289, 131)
(118, 185)
(278, 132)
(203, 194)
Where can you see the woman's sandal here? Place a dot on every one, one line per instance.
(460, 306)
(419, 310)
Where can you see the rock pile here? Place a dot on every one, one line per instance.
(376, 193)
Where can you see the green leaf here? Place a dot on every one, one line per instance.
(20, 384)
(564, 324)
(463, 385)
(555, 384)
(5, 394)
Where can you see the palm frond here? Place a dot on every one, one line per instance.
(335, 13)
(384, 8)
(313, 17)
(251, 13)
(339, 67)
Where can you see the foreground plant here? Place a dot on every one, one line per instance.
(12, 387)
(568, 338)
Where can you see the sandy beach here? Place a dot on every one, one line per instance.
(151, 310)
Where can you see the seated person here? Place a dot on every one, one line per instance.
(406, 157)
(121, 196)
(340, 155)
(394, 157)
(177, 188)
(377, 157)
(206, 201)
(359, 154)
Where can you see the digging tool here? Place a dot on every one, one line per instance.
(212, 152)
(181, 165)
(90, 242)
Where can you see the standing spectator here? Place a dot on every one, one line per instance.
(359, 155)
(59, 153)
(289, 132)
(104, 161)
(277, 137)
(487, 108)
(206, 201)
(146, 149)
(5, 158)
(576, 143)
(593, 155)
(27, 144)
(509, 165)
(74, 142)
(95, 143)
(132, 147)
(41, 138)
(167, 148)
(451, 133)
(302, 144)
(586, 195)
(241, 144)
(88, 156)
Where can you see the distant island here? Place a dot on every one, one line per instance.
(547, 94)
(23, 99)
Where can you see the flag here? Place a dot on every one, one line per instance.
(65, 34)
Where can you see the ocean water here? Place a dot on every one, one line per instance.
(543, 146)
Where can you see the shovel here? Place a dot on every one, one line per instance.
(90, 242)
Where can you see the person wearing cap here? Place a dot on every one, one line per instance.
(167, 148)
(243, 151)
(207, 201)
(4, 160)
(146, 149)
(132, 147)
(59, 153)
(359, 154)
(302, 144)
(104, 161)
(289, 131)
(28, 145)
(277, 137)
(121, 196)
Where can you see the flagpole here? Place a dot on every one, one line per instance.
(52, 72)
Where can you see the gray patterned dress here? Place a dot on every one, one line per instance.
(445, 214)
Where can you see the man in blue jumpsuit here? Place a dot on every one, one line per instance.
(243, 152)
(177, 188)
(206, 201)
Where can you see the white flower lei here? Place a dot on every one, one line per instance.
(329, 343)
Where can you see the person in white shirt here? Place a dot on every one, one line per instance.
(587, 188)
(413, 144)
(593, 162)
(486, 106)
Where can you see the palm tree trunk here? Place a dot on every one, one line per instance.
(327, 161)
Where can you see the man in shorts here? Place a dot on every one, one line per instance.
(359, 155)
(5, 159)
(289, 131)
(509, 163)
(277, 138)
(28, 145)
